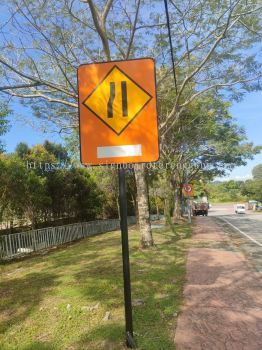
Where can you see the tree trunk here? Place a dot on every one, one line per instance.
(168, 218)
(177, 205)
(143, 209)
(169, 200)
(177, 212)
(157, 210)
(134, 201)
(118, 209)
(156, 202)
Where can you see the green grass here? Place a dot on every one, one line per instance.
(35, 293)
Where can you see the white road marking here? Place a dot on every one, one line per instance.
(119, 151)
(243, 233)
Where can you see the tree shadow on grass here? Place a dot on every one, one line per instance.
(103, 281)
(89, 248)
(109, 336)
(20, 296)
(96, 266)
(39, 346)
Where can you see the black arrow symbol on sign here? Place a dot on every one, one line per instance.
(112, 97)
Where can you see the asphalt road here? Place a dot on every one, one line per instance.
(244, 229)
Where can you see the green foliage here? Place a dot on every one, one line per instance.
(211, 43)
(252, 189)
(234, 191)
(207, 141)
(204, 143)
(23, 192)
(59, 151)
(30, 188)
(22, 150)
(106, 180)
(226, 191)
(4, 123)
(75, 192)
(257, 172)
(35, 297)
(72, 145)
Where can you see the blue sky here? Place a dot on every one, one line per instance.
(23, 131)
(248, 113)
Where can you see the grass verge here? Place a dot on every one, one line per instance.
(58, 301)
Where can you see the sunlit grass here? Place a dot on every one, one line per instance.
(45, 299)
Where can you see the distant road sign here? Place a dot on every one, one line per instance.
(117, 109)
(188, 190)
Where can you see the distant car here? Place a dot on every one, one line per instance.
(240, 208)
(259, 207)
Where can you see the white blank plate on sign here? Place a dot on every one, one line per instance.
(119, 151)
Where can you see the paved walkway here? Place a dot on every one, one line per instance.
(223, 295)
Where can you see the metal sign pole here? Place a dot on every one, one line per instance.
(125, 255)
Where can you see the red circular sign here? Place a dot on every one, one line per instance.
(188, 188)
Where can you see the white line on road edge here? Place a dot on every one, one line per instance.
(243, 233)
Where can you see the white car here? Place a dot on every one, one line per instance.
(240, 208)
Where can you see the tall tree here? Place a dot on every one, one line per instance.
(211, 41)
(205, 143)
(22, 191)
(34, 190)
(257, 172)
(22, 150)
(253, 189)
(57, 150)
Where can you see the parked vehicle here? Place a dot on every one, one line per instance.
(200, 208)
(240, 208)
(251, 204)
(259, 207)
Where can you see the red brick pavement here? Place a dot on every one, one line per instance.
(223, 296)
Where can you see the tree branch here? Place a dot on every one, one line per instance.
(99, 22)
(130, 44)
(40, 95)
(206, 58)
(219, 85)
(38, 80)
(106, 10)
(21, 86)
(53, 49)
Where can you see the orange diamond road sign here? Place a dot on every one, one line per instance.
(117, 109)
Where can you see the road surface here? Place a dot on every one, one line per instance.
(244, 229)
(222, 294)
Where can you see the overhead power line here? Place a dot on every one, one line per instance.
(170, 43)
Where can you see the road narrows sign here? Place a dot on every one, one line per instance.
(117, 109)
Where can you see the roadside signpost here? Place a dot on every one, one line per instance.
(118, 125)
(188, 190)
(117, 109)
(187, 193)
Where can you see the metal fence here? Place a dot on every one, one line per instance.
(19, 244)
